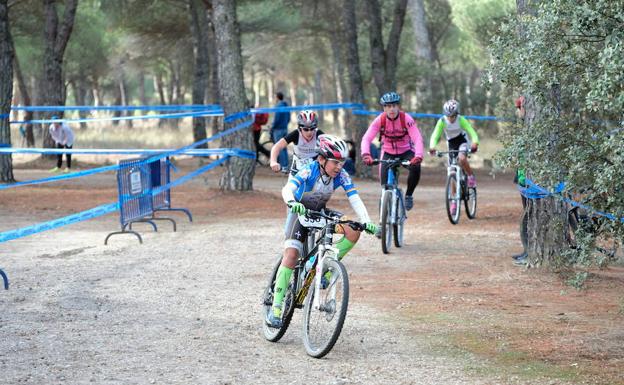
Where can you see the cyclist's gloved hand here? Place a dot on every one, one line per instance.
(370, 228)
(366, 158)
(474, 147)
(415, 160)
(432, 151)
(296, 207)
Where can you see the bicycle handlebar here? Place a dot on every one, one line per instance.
(391, 162)
(357, 226)
(442, 153)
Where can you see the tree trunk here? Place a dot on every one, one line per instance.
(142, 95)
(384, 60)
(56, 38)
(359, 123)
(339, 81)
(424, 52)
(239, 171)
(6, 90)
(201, 73)
(80, 94)
(26, 102)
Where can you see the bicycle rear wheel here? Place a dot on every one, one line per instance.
(273, 334)
(322, 326)
(452, 184)
(386, 221)
(470, 202)
(397, 228)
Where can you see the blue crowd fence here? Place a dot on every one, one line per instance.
(134, 188)
(161, 175)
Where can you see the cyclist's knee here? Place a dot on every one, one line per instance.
(351, 234)
(290, 257)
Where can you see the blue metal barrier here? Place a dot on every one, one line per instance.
(135, 196)
(5, 280)
(161, 175)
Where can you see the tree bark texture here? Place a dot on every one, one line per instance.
(423, 50)
(26, 101)
(201, 71)
(239, 171)
(56, 37)
(384, 60)
(6, 90)
(358, 123)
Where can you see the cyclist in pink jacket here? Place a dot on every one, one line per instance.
(400, 138)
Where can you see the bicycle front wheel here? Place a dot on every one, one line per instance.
(262, 159)
(322, 325)
(399, 220)
(386, 221)
(470, 201)
(452, 187)
(273, 334)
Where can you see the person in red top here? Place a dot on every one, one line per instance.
(260, 119)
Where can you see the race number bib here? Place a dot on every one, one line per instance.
(317, 223)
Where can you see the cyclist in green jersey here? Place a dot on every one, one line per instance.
(455, 128)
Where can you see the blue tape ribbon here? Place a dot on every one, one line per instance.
(94, 151)
(164, 107)
(74, 218)
(2, 116)
(433, 116)
(5, 145)
(119, 118)
(79, 174)
(534, 191)
(328, 106)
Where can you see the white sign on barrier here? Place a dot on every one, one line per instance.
(135, 182)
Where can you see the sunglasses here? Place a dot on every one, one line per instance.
(337, 162)
(307, 129)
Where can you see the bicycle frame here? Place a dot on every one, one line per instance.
(454, 168)
(324, 249)
(392, 187)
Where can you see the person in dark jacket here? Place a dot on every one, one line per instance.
(280, 128)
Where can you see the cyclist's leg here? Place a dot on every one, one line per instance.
(346, 243)
(293, 247)
(414, 173)
(463, 159)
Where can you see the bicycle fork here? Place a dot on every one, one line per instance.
(325, 251)
(455, 169)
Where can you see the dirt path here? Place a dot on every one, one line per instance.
(183, 308)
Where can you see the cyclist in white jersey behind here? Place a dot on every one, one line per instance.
(303, 139)
(455, 127)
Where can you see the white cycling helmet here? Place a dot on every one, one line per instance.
(307, 119)
(331, 147)
(451, 107)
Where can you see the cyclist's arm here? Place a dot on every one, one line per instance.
(466, 126)
(369, 136)
(354, 198)
(277, 147)
(414, 134)
(437, 133)
(289, 190)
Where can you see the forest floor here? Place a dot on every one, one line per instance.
(184, 308)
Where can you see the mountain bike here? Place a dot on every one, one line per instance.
(324, 301)
(457, 189)
(392, 211)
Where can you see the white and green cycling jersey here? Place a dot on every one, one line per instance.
(452, 130)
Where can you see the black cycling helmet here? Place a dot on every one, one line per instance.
(390, 98)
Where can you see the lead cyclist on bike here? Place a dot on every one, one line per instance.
(455, 127)
(311, 188)
(400, 138)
